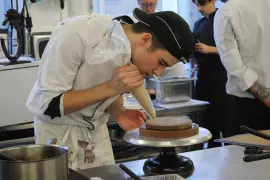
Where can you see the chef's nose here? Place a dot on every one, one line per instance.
(159, 71)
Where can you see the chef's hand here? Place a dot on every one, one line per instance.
(130, 119)
(203, 48)
(126, 78)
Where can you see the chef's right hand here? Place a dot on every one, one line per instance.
(126, 78)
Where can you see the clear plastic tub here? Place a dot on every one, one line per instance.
(173, 89)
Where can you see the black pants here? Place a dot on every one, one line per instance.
(249, 112)
(217, 113)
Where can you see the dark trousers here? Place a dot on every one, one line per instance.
(248, 112)
(217, 113)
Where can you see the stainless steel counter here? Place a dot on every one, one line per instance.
(193, 108)
(224, 163)
(182, 108)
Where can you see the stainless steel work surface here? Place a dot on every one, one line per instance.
(135, 138)
(225, 163)
(171, 109)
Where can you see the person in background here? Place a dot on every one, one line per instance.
(212, 76)
(242, 36)
(88, 63)
(148, 6)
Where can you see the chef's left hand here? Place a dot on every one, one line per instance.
(202, 48)
(131, 119)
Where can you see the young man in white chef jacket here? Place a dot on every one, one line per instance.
(88, 63)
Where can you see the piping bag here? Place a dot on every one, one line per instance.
(142, 96)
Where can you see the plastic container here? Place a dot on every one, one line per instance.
(173, 89)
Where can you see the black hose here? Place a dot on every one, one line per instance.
(16, 20)
(17, 26)
(13, 19)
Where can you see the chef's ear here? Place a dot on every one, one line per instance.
(147, 39)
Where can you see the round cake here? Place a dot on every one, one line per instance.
(169, 134)
(169, 123)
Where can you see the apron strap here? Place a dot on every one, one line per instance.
(73, 132)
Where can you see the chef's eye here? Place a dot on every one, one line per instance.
(163, 63)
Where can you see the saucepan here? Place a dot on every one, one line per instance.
(35, 162)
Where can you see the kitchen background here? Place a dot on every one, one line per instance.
(46, 13)
(16, 125)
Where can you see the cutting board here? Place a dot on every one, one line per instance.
(247, 140)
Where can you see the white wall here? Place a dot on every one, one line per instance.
(2, 16)
(46, 14)
(118, 6)
(124, 7)
(169, 5)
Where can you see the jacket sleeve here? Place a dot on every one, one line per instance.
(226, 35)
(58, 69)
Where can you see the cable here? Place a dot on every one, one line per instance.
(13, 19)
(19, 49)
(28, 19)
(16, 20)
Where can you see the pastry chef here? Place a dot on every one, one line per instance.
(88, 63)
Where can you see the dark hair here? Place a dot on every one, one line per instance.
(141, 28)
(202, 2)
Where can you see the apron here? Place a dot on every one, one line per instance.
(87, 148)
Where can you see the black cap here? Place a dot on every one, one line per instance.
(171, 30)
(124, 19)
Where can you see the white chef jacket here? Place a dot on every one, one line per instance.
(82, 52)
(241, 30)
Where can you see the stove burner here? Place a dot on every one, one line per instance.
(168, 162)
(122, 150)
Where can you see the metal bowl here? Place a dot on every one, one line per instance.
(35, 162)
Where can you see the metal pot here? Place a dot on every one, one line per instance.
(36, 162)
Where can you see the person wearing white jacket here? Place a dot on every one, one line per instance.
(242, 38)
(87, 64)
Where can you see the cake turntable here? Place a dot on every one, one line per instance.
(167, 162)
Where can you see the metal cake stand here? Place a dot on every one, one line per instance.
(168, 162)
